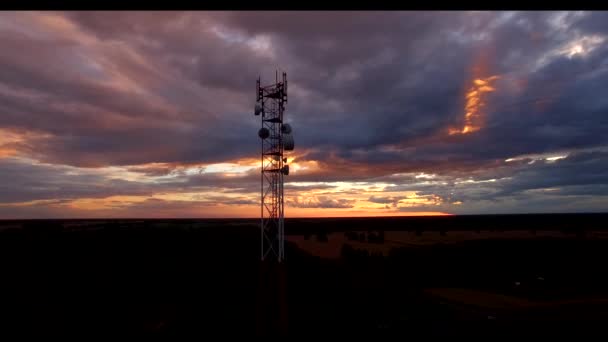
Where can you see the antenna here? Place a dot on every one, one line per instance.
(276, 138)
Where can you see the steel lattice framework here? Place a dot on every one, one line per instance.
(272, 99)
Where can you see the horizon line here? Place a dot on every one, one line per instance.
(299, 217)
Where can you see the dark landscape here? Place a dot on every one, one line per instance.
(198, 277)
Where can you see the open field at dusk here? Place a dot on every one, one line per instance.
(197, 276)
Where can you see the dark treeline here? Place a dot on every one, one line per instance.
(568, 223)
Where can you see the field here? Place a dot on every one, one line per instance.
(433, 276)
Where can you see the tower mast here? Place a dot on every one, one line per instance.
(276, 138)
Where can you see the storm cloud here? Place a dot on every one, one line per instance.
(127, 113)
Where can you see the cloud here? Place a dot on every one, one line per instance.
(102, 104)
(393, 201)
(320, 202)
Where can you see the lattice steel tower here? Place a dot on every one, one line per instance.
(276, 138)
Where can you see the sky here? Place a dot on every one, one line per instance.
(150, 114)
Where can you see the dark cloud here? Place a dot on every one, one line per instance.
(24, 182)
(586, 169)
(289, 186)
(372, 95)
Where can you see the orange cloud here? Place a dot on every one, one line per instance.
(478, 84)
(474, 105)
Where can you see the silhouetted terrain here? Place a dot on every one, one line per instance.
(197, 277)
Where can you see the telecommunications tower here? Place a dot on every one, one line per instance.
(276, 138)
